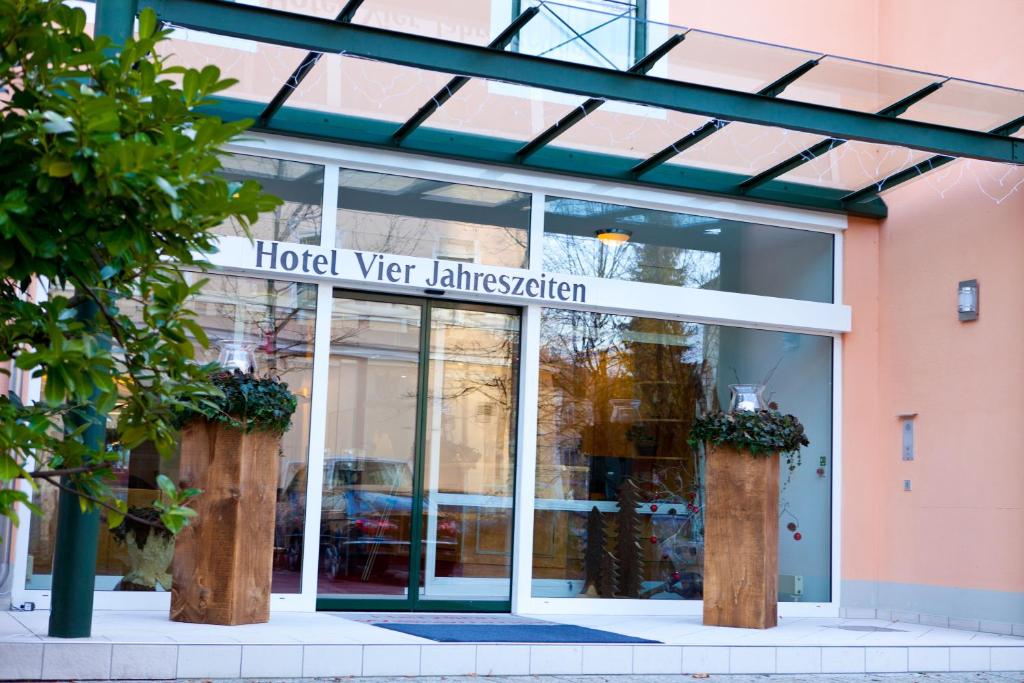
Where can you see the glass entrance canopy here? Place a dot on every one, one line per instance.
(592, 89)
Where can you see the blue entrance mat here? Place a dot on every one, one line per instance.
(545, 632)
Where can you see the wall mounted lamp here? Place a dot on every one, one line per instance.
(967, 300)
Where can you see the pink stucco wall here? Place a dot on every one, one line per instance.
(962, 525)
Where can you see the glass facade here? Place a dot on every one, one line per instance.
(402, 437)
(415, 217)
(420, 440)
(686, 250)
(299, 185)
(618, 395)
(276, 319)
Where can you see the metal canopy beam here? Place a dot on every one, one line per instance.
(323, 35)
(917, 170)
(449, 144)
(828, 144)
(304, 67)
(454, 85)
(579, 113)
(773, 89)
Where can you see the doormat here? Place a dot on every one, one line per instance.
(540, 632)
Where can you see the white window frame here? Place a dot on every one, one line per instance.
(723, 308)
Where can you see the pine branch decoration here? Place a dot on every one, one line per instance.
(630, 552)
(608, 579)
(593, 555)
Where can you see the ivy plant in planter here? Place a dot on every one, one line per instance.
(247, 403)
(757, 432)
(741, 518)
(229, 449)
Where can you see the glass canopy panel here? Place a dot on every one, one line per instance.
(629, 130)
(854, 165)
(503, 110)
(745, 148)
(366, 88)
(260, 68)
(964, 104)
(724, 62)
(859, 86)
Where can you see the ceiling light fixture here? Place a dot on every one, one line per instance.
(613, 236)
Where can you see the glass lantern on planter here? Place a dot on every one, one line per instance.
(746, 398)
(237, 355)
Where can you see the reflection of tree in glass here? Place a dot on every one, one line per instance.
(392, 233)
(477, 356)
(296, 219)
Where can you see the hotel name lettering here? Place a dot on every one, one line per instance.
(446, 275)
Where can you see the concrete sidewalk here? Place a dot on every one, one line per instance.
(963, 677)
(296, 646)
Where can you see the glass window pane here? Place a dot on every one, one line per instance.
(596, 32)
(430, 219)
(299, 185)
(469, 469)
(851, 84)
(963, 104)
(260, 68)
(855, 164)
(277, 319)
(733, 63)
(628, 130)
(501, 110)
(365, 520)
(366, 88)
(686, 250)
(617, 398)
(745, 148)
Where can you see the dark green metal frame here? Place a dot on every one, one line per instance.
(453, 86)
(413, 602)
(449, 144)
(324, 36)
(434, 54)
(828, 144)
(642, 66)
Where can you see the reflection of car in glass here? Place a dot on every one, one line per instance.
(365, 523)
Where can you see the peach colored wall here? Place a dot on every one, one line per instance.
(963, 524)
(861, 415)
(847, 28)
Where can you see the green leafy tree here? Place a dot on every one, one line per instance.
(108, 190)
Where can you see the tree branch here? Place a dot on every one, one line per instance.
(102, 504)
(43, 474)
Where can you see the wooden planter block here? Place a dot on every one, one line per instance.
(223, 561)
(741, 539)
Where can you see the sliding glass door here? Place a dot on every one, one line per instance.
(419, 463)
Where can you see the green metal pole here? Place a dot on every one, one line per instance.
(116, 18)
(78, 530)
(74, 554)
